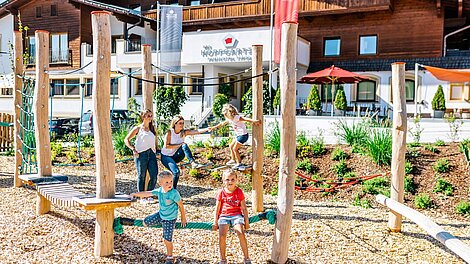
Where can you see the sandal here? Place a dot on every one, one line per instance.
(247, 261)
(170, 260)
(223, 262)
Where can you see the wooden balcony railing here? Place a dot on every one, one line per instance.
(237, 9)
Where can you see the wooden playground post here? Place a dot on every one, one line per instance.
(105, 170)
(399, 142)
(41, 117)
(147, 87)
(287, 163)
(258, 144)
(17, 99)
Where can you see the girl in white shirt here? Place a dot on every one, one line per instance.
(144, 150)
(237, 122)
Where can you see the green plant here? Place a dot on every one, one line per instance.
(302, 139)
(441, 165)
(351, 134)
(223, 142)
(439, 101)
(119, 142)
(274, 190)
(431, 148)
(412, 153)
(443, 186)
(216, 175)
(465, 149)
(340, 99)
(209, 154)
(318, 144)
(306, 165)
(410, 186)
(193, 173)
(169, 101)
(379, 146)
(416, 129)
(87, 141)
(273, 138)
(313, 99)
(408, 167)
(423, 201)
(338, 154)
(219, 101)
(340, 168)
(277, 99)
(364, 203)
(72, 155)
(57, 148)
(375, 186)
(267, 100)
(463, 208)
(134, 109)
(198, 144)
(454, 127)
(439, 143)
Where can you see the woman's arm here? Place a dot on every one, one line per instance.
(183, 213)
(245, 214)
(168, 144)
(142, 194)
(196, 132)
(246, 119)
(219, 125)
(128, 138)
(218, 205)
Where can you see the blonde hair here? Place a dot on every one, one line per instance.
(164, 174)
(175, 120)
(229, 109)
(229, 172)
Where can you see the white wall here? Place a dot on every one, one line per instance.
(6, 73)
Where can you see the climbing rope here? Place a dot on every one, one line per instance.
(333, 183)
(270, 215)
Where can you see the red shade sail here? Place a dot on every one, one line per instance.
(456, 76)
(334, 75)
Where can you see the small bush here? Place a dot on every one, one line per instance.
(439, 102)
(223, 142)
(364, 203)
(340, 168)
(274, 190)
(218, 103)
(313, 99)
(302, 139)
(119, 143)
(413, 153)
(318, 146)
(379, 146)
(463, 208)
(72, 155)
(423, 201)
(198, 144)
(443, 186)
(349, 175)
(431, 148)
(440, 143)
(193, 173)
(338, 154)
(216, 175)
(57, 148)
(441, 165)
(306, 165)
(354, 134)
(209, 154)
(408, 167)
(410, 186)
(375, 186)
(303, 151)
(273, 138)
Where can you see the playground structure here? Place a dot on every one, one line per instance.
(106, 200)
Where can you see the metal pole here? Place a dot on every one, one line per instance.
(271, 19)
(158, 60)
(416, 88)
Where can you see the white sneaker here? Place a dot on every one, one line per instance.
(197, 165)
(231, 162)
(239, 166)
(149, 200)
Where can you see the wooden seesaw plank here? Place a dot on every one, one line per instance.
(92, 203)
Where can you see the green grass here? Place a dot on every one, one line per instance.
(273, 138)
(379, 146)
(351, 134)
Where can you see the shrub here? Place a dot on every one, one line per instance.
(408, 167)
(354, 134)
(340, 168)
(273, 138)
(209, 154)
(223, 142)
(375, 186)
(431, 148)
(313, 99)
(441, 165)
(302, 139)
(463, 208)
(364, 203)
(443, 186)
(274, 190)
(465, 149)
(410, 186)
(218, 103)
(198, 144)
(379, 146)
(340, 99)
(423, 201)
(193, 173)
(306, 165)
(440, 143)
(267, 100)
(119, 143)
(416, 130)
(277, 99)
(318, 146)
(57, 148)
(216, 175)
(439, 101)
(169, 101)
(338, 154)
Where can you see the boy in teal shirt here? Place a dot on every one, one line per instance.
(170, 201)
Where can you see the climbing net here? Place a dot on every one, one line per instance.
(331, 184)
(26, 128)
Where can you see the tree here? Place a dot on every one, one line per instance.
(340, 99)
(439, 101)
(313, 99)
(267, 106)
(277, 98)
(169, 101)
(219, 101)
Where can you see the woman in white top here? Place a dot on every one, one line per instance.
(237, 122)
(175, 150)
(144, 149)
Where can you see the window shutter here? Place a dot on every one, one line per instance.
(354, 92)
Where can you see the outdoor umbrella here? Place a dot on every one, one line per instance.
(332, 75)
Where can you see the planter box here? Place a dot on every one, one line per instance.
(466, 115)
(438, 113)
(340, 112)
(311, 112)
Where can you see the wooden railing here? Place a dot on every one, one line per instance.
(6, 132)
(237, 9)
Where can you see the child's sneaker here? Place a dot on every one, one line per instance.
(169, 260)
(239, 166)
(149, 200)
(195, 165)
(231, 163)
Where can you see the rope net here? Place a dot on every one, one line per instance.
(26, 128)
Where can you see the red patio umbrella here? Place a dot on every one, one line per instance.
(332, 75)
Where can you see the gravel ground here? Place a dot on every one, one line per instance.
(322, 232)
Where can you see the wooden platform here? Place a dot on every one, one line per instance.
(59, 193)
(34, 179)
(88, 202)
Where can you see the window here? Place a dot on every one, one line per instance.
(59, 48)
(195, 3)
(161, 80)
(197, 85)
(326, 92)
(114, 86)
(177, 80)
(57, 87)
(231, 87)
(72, 87)
(410, 90)
(138, 86)
(368, 45)
(31, 50)
(113, 43)
(332, 47)
(38, 12)
(53, 10)
(456, 91)
(6, 91)
(366, 91)
(89, 87)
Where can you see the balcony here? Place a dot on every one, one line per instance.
(259, 8)
(55, 57)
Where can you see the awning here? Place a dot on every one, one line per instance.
(454, 75)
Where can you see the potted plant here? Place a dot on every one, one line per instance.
(314, 102)
(340, 102)
(439, 103)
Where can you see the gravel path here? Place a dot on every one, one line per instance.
(329, 232)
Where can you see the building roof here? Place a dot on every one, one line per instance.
(458, 62)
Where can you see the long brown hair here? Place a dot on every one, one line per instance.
(151, 125)
(175, 120)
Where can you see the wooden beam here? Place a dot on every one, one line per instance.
(17, 98)
(398, 142)
(287, 163)
(438, 7)
(258, 145)
(147, 87)
(460, 8)
(41, 117)
(105, 170)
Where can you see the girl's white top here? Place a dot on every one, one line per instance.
(144, 140)
(238, 126)
(174, 140)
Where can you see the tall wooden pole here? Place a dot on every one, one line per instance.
(287, 164)
(147, 87)
(258, 144)
(398, 142)
(18, 97)
(105, 171)
(41, 117)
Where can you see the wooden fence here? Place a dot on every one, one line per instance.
(6, 132)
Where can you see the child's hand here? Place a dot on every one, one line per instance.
(247, 225)
(257, 122)
(183, 222)
(215, 227)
